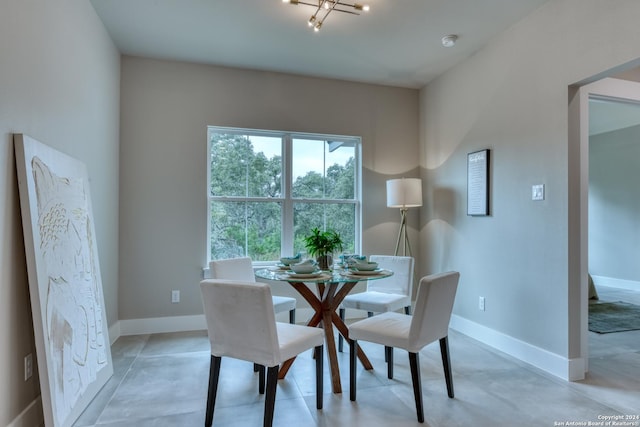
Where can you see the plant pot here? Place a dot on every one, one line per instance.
(324, 262)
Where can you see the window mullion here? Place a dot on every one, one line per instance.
(287, 203)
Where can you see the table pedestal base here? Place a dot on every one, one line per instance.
(325, 305)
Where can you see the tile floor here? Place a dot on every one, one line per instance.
(161, 380)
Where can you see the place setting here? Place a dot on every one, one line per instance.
(359, 266)
(296, 269)
(284, 265)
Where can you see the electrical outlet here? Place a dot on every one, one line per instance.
(175, 297)
(28, 366)
(481, 303)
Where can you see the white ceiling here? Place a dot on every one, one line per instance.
(397, 43)
(606, 115)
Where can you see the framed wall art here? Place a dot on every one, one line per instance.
(67, 302)
(478, 183)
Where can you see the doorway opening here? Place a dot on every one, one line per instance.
(587, 101)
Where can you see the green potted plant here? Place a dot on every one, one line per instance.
(322, 245)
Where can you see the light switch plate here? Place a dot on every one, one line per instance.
(537, 192)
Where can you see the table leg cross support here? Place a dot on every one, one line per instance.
(325, 304)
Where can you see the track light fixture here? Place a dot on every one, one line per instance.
(325, 7)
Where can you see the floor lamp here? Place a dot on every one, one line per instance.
(404, 193)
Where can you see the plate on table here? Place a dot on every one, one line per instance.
(304, 275)
(366, 272)
(280, 267)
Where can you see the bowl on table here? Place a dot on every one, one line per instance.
(352, 259)
(365, 265)
(288, 260)
(305, 267)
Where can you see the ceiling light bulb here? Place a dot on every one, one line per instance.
(450, 40)
(325, 7)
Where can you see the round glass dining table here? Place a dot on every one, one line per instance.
(331, 288)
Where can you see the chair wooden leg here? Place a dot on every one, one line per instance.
(446, 364)
(353, 357)
(319, 376)
(388, 356)
(292, 316)
(214, 374)
(270, 399)
(260, 379)
(340, 339)
(414, 362)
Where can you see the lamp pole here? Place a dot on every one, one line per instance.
(402, 233)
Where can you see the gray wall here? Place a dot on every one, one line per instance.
(59, 83)
(614, 205)
(512, 97)
(166, 108)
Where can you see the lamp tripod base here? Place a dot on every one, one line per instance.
(403, 235)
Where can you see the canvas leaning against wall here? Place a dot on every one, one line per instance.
(69, 319)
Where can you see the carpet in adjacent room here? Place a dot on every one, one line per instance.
(607, 317)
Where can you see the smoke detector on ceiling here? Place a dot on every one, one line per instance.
(450, 40)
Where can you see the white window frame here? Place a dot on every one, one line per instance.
(287, 200)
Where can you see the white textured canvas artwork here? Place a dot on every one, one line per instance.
(70, 327)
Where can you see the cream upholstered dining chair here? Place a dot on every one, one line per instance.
(429, 322)
(242, 269)
(382, 295)
(241, 324)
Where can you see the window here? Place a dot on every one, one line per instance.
(267, 190)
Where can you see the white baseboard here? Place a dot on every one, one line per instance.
(158, 325)
(567, 369)
(612, 282)
(31, 416)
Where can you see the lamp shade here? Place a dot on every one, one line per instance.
(404, 193)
